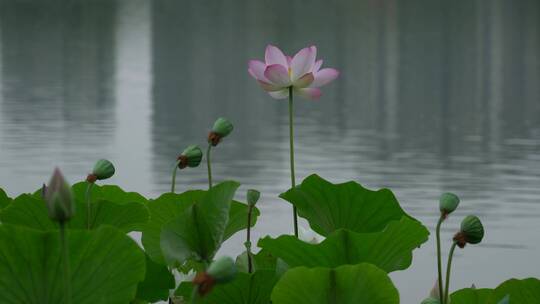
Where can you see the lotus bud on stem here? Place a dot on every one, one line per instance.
(252, 198)
(190, 157)
(448, 202)
(471, 232)
(221, 129)
(103, 169)
(61, 208)
(221, 271)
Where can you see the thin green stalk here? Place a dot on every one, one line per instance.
(88, 209)
(291, 148)
(175, 169)
(248, 240)
(448, 268)
(194, 295)
(439, 262)
(65, 259)
(208, 164)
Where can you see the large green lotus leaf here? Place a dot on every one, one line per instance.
(170, 205)
(31, 211)
(111, 193)
(198, 231)
(162, 210)
(348, 284)
(254, 288)
(471, 296)
(525, 291)
(329, 207)
(390, 249)
(262, 260)
(4, 199)
(106, 266)
(238, 218)
(157, 282)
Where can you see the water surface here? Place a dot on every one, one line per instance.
(434, 96)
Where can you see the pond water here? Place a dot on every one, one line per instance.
(434, 96)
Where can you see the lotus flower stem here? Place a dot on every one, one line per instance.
(175, 169)
(439, 263)
(65, 258)
(88, 209)
(448, 269)
(291, 147)
(248, 240)
(209, 165)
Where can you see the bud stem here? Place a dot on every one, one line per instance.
(88, 209)
(208, 163)
(439, 262)
(194, 294)
(65, 258)
(175, 169)
(248, 240)
(448, 268)
(291, 148)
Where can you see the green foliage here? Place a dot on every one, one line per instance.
(348, 284)
(471, 296)
(31, 211)
(198, 231)
(169, 205)
(390, 249)
(157, 283)
(254, 288)
(526, 291)
(263, 260)
(106, 266)
(329, 207)
(4, 199)
(111, 193)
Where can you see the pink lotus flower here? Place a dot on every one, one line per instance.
(302, 72)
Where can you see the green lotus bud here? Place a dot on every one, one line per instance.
(472, 231)
(59, 198)
(222, 127)
(252, 197)
(448, 203)
(222, 270)
(103, 169)
(431, 301)
(190, 157)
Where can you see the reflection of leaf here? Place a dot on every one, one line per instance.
(246, 288)
(390, 249)
(525, 291)
(4, 199)
(169, 205)
(348, 284)
(157, 283)
(198, 231)
(106, 266)
(31, 211)
(329, 207)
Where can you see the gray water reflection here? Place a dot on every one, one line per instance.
(434, 96)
